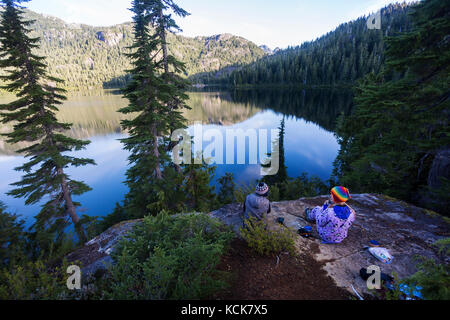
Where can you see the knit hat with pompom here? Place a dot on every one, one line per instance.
(262, 189)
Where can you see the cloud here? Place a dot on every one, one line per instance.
(97, 13)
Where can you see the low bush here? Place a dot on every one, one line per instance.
(33, 280)
(169, 257)
(268, 242)
(431, 277)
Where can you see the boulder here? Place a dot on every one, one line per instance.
(95, 257)
(405, 230)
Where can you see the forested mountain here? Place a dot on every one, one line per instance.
(339, 57)
(88, 57)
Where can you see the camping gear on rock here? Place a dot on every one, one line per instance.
(374, 243)
(411, 294)
(305, 232)
(389, 282)
(280, 220)
(384, 277)
(381, 254)
(357, 294)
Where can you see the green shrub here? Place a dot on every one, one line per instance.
(433, 278)
(169, 258)
(268, 242)
(12, 239)
(34, 281)
(227, 189)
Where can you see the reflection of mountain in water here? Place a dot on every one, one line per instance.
(321, 106)
(218, 108)
(96, 114)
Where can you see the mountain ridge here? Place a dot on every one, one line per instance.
(89, 57)
(338, 58)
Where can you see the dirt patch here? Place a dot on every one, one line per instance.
(260, 278)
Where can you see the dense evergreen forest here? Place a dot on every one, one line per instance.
(338, 58)
(89, 57)
(396, 142)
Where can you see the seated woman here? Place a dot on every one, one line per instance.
(257, 205)
(334, 218)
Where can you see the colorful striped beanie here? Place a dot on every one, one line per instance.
(340, 194)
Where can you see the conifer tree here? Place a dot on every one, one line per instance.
(12, 239)
(226, 194)
(281, 176)
(401, 119)
(156, 93)
(199, 195)
(35, 123)
(176, 85)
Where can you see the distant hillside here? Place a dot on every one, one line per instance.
(88, 57)
(339, 57)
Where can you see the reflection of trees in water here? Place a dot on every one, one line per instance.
(95, 114)
(217, 108)
(321, 106)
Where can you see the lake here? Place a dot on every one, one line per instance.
(310, 145)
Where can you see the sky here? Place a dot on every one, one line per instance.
(275, 23)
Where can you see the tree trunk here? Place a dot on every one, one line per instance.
(156, 153)
(71, 207)
(163, 40)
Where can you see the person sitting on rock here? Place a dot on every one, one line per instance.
(257, 204)
(335, 218)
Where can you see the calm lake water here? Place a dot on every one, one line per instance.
(310, 145)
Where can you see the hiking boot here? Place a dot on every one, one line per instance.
(307, 215)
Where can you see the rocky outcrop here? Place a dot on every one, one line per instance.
(95, 256)
(405, 230)
(110, 38)
(266, 49)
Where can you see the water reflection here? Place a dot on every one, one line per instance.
(310, 145)
(321, 106)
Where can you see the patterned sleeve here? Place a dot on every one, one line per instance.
(325, 217)
(352, 217)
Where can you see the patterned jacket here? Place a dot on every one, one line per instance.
(333, 222)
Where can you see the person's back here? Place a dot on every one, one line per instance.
(257, 205)
(335, 218)
(334, 221)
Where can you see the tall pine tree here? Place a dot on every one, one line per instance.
(400, 123)
(156, 94)
(35, 123)
(281, 176)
